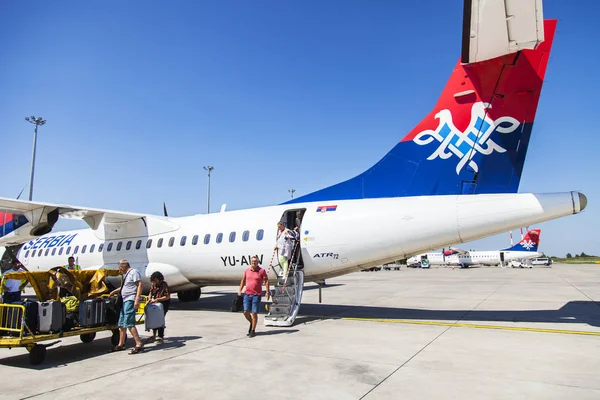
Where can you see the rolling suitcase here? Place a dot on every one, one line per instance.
(92, 313)
(112, 311)
(154, 316)
(52, 316)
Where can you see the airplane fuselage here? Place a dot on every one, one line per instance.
(214, 249)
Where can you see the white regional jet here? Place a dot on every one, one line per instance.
(525, 249)
(452, 179)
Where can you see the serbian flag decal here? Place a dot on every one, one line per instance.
(323, 209)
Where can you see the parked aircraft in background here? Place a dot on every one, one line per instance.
(526, 249)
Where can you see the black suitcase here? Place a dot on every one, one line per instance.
(238, 304)
(112, 311)
(92, 313)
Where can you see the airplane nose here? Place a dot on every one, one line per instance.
(582, 201)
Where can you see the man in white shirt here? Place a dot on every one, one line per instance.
(13, 287)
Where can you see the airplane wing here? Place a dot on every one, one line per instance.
(41, 218)
(493, 28)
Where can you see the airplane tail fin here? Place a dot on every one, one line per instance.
(529, 243)
(473, 141)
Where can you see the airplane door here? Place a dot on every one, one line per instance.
(502, 257)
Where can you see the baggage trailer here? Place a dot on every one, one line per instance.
(87, 284)
(15, 334)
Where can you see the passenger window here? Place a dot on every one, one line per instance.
(138, 244)
(128, 246)
(207, 238)
(260, 234)
(182, 241)
(232, 237)
(83, 249)
(59, 251)
(76, 250)
(27, 254)
(160, 242)
(119, 245)
(219, 237)
(100, 248)
(54, 251)
(40, 253)
(46, 253)
(245, 236)
(67, 252)
(33, 253)
(171, 241)
(109, 247)
(195, 240)
(92, 247)
(149, 243)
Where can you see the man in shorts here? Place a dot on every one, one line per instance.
(253, 279)
(131, 291)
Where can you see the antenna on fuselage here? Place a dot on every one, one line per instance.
(165, 209)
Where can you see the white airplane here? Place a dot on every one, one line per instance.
(452, 179)
(524, 250)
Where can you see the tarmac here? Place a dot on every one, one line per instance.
(440, 333)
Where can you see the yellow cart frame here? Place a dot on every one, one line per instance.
(11, 314)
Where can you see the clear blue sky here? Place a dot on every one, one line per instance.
(139, 95)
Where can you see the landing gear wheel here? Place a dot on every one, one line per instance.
(87, 337)
(37, 354)
(189, 295)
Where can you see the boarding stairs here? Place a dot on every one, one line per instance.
(286, 295)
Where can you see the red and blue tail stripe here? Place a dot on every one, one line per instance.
(474, 140)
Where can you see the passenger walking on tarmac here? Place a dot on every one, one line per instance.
(253, 280)
(284, 246)
(159, 294)
(131, 291)
(13, 287)
(71, 266)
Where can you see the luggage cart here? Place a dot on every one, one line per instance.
(15, 332)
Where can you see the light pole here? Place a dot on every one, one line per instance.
(292, 192)
(37, 122)
(208, 168)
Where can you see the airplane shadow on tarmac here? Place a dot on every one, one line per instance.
(57, 357)
(573, 312)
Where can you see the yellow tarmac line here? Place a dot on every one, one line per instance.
(475, 326)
